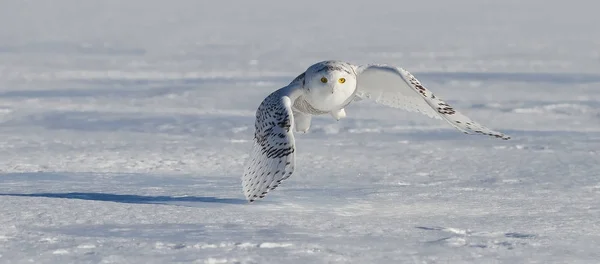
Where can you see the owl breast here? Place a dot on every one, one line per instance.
(303, 105)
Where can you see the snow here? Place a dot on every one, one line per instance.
(124, 126)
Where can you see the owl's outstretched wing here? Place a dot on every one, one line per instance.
(272, 158)
(396, 87)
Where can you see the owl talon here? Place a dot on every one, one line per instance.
(339, 114)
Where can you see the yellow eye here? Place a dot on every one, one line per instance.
(324, 80)
(342, 80)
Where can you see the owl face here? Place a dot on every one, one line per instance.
(329, 84)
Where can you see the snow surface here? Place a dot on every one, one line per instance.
(124, 126)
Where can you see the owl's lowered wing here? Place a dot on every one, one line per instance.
(272, 158)
(396, 87)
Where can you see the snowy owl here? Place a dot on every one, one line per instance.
(327, 88)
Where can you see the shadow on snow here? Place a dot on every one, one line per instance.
(127, 198)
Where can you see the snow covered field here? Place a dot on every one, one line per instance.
(124, 126)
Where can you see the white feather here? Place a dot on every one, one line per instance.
(396, 87)
(272, 158)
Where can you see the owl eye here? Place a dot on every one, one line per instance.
(324, 80)
(342, 80)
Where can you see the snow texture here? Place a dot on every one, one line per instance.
(124, 127)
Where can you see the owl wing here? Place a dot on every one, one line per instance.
(272, 158)
(396, 87)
